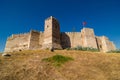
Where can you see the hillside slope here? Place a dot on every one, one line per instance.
(28, 65)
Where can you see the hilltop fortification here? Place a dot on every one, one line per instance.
(52, 37)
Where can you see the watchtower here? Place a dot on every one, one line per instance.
(52, 33)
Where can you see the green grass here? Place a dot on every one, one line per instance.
(84, 49)
(57, 60)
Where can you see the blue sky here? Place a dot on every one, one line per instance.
(20, 16)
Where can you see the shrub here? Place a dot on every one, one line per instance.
(57, 60)
(114, 51)
(78, 48)
(92, 49)
(86, 49)
(83, 49)
(68, 48)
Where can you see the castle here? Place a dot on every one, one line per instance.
(52, 37)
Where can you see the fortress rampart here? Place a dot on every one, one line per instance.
(52, 37)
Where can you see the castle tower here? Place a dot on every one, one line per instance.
(51, 33)
(88, 38)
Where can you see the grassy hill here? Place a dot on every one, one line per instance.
(30, 65)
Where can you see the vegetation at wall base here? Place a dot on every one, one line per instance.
(83, 49)
(57, 60)
(114, 51)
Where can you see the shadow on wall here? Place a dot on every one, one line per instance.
(65, 40)
(99, 44)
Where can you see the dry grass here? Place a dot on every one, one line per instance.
(28, 65)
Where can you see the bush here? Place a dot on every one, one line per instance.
(92, 49)
(83, 49)
(78, 48)
(114, 51)
(57, 60)
(68, 48)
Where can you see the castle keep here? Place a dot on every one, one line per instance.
(52, 37)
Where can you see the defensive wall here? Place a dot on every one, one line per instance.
(52, 37)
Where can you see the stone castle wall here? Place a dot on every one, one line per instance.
(104, 44)
(52, 37)
(56, 34)
(27, 41)
(34, 40)
(47, 42)
(70, 39)
(17, 42)
(88, 38)
(41, 39)
(51, 33)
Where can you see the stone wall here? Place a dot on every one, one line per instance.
(51, 33)
(47, 43)
(41, 39)
(27, 41)
(51, 37)
(70, 39)
(65, 40)
(104, 44)
(55, 34)
(88, 38)
(17, 42)
(34, 40)
(99, 43)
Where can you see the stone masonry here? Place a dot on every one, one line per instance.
(52, 37)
